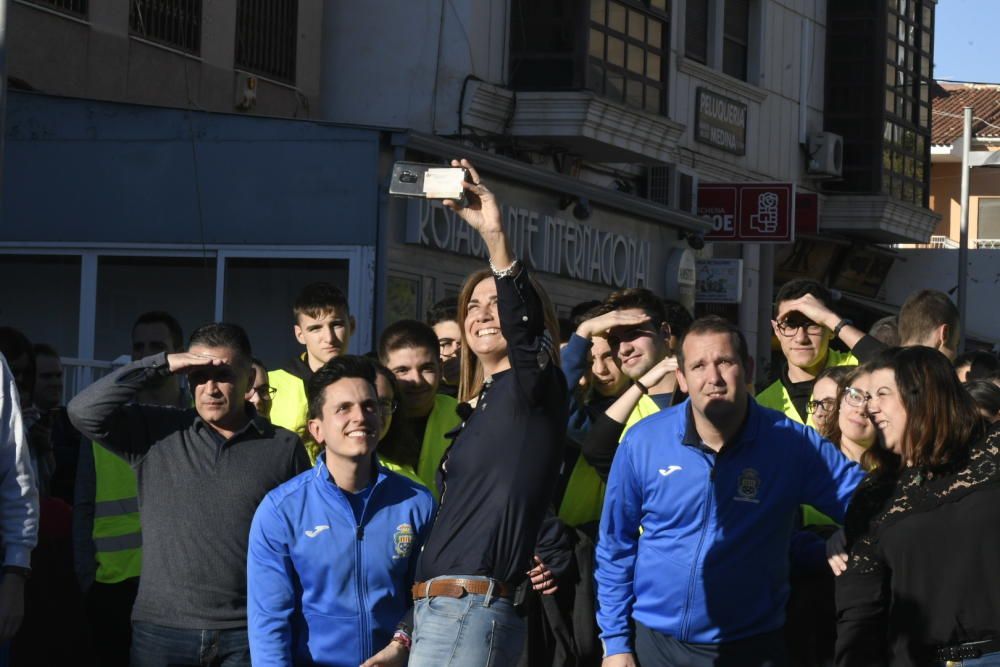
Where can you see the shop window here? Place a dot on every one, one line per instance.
(717, 33)
(266, 33)
(76, 8)
(259, 293)
(40, 295)
(616, 48)
(173, 23)
(130, 286)
(989, 218)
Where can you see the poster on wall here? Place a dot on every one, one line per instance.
(719, 281)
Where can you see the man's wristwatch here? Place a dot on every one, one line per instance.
(23, 572)
(840, 325)
(643, 388)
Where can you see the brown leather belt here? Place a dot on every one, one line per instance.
(457, 588)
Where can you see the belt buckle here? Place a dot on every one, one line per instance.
(456, 591)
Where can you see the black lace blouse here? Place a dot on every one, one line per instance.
(924, 567)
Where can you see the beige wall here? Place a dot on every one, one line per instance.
(946, 193)
(97, 59)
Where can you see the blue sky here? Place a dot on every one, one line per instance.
(966, 44)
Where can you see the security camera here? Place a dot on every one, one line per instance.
(694, 240)
(582, 209)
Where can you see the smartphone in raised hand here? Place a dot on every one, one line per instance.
(428, 181)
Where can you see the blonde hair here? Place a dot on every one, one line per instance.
(470, 381)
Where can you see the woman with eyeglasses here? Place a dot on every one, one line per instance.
(819, 545)
(922, 585)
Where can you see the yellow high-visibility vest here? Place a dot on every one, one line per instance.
(776, 397)
(117, 529)
(290, 408)
(584, 496)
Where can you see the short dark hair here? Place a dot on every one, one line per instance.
(795, 289)
(223, 334)
(716, 324)
(445, 310)
(678, 317)
(941, 417)
(406, 333)
(638, 297)
(14, 344)
(167, 320)
(255, 361)
(316, 299)
(981, 364)
(886, 330)
(338, 368)
(580, 313)
(924, 311)
(985, 394)
(44, 350)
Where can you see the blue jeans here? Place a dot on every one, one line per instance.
(158, 646)
(471, 631)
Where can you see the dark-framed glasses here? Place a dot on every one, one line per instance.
(787, 328)
(265, 392)
(824, 406)
(856, 398)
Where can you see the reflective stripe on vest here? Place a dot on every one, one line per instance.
(117, 530)
(443, 418)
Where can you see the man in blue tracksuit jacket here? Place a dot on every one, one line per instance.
(333, 551)
(714, 483)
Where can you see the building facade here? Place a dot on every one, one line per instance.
(643, 99)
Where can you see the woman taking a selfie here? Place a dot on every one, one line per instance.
(497, 477)
(922, 585)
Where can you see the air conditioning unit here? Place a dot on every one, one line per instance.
(826, 154)
(673, 186)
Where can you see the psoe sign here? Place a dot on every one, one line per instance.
(752, 212)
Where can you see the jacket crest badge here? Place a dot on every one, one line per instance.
(748, 486)
(402, 541)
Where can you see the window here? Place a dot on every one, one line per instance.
(736, 38)
(717, 34)
(989, 218)
(174, 23)
(75, 7)
(40, 295)
(616, 48)
(627, 52)
(258, 294)
(906, 129)
(266, 37)
(696, 30)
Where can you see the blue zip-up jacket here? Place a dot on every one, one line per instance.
(321, 589)
(711, 565)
